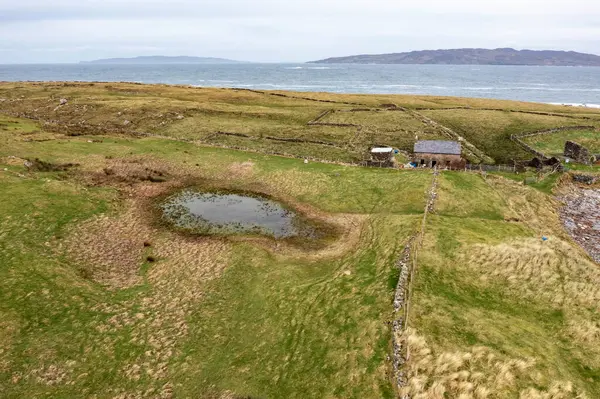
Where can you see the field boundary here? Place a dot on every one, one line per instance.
(273, 138)
(250, 150)
(468, 146)
(408, 265)
(542, 113)
(267, 93)
(517, 138)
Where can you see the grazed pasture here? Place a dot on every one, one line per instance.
(99, 299)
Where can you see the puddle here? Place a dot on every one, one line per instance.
(220, 213)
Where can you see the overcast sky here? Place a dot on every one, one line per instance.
(33, 31)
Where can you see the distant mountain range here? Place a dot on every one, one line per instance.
(159, 59)
(473, 56)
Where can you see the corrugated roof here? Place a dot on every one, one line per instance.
(382, 149)
(438, 147)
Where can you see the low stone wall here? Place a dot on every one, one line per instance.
(321, 116)
(400, 298)
(517, 138)
(407, 264)
(515, 111)
(442, 160)
(586, 179)
(579, 153)
(297, 97)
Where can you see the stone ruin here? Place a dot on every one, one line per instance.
(579, 153)
(587, 179)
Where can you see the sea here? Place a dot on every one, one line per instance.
(557, 85)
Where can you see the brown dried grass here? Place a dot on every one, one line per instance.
(242, 169)
(550, 271)
(109, 248)
(476, 373)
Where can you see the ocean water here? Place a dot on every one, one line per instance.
(561, 85)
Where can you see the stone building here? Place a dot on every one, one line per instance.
(579, 153)
(443, 154)
(382, 157)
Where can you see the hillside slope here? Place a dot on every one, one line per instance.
(474, 56)
(100, 299)
(332, 127)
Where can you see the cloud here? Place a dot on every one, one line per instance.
(276, 30)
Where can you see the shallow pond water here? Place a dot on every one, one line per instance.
(230, 213)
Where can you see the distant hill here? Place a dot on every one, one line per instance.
(474, 56)
(159, 59)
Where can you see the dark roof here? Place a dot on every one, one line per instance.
(438, 147)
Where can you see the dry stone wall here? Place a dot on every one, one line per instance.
(579, 153)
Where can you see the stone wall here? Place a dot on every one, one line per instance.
(579, 153)
(517, 138)
(441, 160)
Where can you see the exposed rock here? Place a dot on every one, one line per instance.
(126, 122)
(581, 218)
(579, 153)
(63, 101)
(587, 179)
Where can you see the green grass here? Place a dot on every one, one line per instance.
(554, 144)
(305, 329)
(8, 125)
(213, 317)
(488, 286)
(490, 131)
(544, 183)
(200, 113)
(466, 195)
(273, 325)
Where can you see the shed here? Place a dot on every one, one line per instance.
(444, 154)
(382, 156)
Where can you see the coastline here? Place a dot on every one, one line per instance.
(582, 105)
(551, 85)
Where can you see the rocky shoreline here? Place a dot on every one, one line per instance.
(581, 218)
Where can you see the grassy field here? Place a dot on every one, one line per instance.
(554, 144)
(490, 131)
(98, 299)
(277, 122)
(498, 312)
(84, 313)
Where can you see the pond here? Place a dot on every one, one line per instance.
(223, 213)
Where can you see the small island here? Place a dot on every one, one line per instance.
(159, 59)
(473, 56)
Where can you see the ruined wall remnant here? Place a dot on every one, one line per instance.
(579, 153)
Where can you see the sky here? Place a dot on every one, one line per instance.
(63, 31)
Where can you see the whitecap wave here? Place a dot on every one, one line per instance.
(584, 105)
